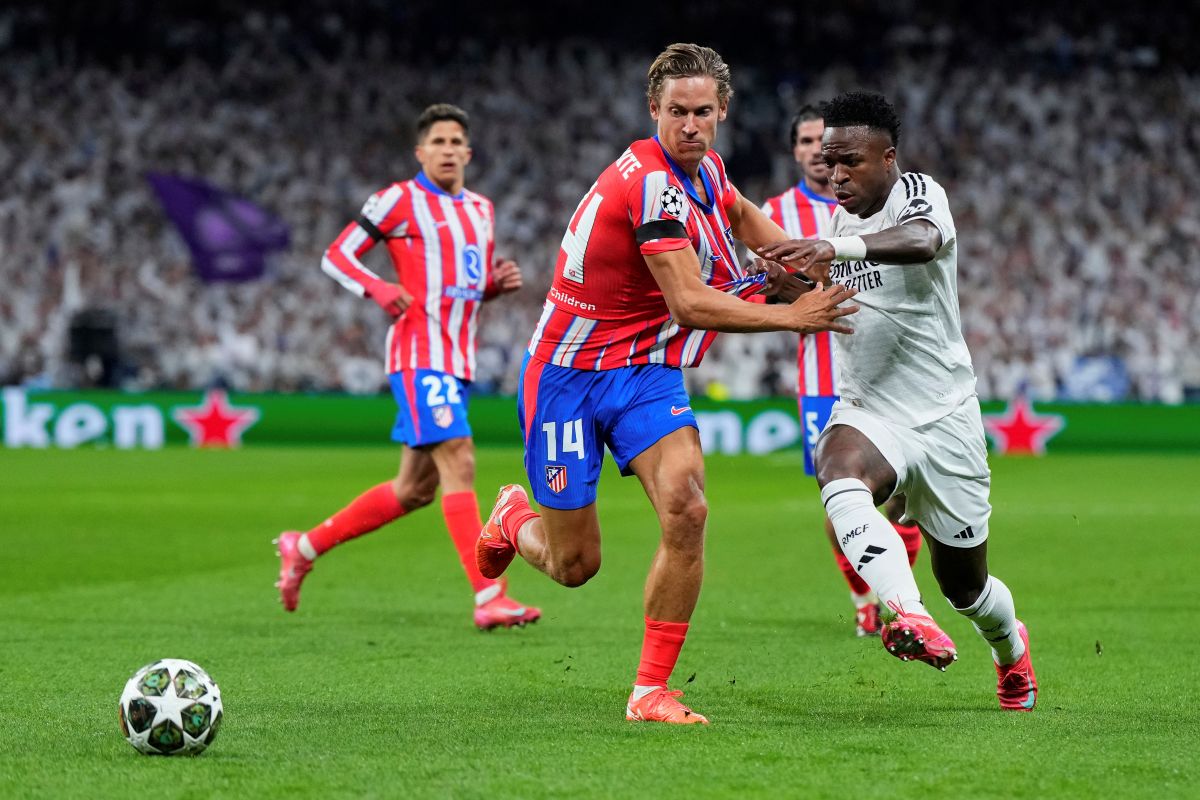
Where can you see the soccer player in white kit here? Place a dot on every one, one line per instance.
(908, 420)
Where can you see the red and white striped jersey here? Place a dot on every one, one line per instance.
(805, 214)
(442, 247)
(604, 309)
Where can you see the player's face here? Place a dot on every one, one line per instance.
(860, 162)
(687, 112)
(444, 154)
(808, 151)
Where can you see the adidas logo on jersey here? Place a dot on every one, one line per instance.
(965, 533)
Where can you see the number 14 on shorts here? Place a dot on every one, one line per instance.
(571, 438)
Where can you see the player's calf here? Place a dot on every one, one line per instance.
(871, 544)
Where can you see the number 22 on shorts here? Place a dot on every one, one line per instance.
(572, 439)
(433, 385)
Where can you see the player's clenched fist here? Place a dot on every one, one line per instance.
(391, 297)
(820, 309)
(506, 276)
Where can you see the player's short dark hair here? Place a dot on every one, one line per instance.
(806, 113)
(871, 109)
(441, 112)
(686, 60)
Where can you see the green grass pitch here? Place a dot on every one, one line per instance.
(379, 685)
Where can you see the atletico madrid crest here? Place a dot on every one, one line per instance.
(556, 478)
(443, 416)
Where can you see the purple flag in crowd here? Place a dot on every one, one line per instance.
(229, 236)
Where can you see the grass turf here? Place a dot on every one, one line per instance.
(379, 685)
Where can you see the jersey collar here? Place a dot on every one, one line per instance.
(433, 188)
(802, 188)
(687, 182)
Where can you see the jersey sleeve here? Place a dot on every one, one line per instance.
(923, 199)
(382, 216)
(658, 210)
(769, 210)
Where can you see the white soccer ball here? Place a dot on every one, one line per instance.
(171, 707)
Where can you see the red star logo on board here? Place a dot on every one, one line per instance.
(1020, 430)
(215, 423)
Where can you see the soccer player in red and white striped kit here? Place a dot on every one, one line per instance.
(804, 211)
(440, 239)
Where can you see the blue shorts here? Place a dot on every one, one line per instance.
(569, 415)
(432, 407)
(814, 416)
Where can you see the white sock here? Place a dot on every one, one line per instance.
(871, 544)
(995, 618)
(488, 593)
(641, 691)
(860, 600)
(305, 547)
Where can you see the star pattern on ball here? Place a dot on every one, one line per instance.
(215, 422)
(1019, 430)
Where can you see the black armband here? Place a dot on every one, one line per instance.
(660, 229)
(370, 227)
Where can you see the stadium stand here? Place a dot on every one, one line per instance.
(1068, 151)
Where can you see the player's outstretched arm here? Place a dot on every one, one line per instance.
(913, 242)
(782, 285)
(693, 304)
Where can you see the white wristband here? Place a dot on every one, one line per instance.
(848, 248)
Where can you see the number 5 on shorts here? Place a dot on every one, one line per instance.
(572, 439)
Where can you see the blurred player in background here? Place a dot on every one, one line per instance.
(908, 419)
(646, 272)
(804, 211)
(440, 238)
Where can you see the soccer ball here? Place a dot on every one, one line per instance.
(171, 707)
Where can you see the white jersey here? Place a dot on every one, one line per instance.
(907, 360)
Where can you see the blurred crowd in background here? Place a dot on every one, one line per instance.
(1069, 152)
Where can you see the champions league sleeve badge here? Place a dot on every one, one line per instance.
(671, 200)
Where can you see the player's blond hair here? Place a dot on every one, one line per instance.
(686, 60)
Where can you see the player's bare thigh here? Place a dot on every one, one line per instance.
(672, 473)
(846, 452)
(454, 460)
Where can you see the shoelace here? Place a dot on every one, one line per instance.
(674, 694)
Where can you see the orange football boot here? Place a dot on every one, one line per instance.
(662, 705)
(494, 551)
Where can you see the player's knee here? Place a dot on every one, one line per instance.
(684, 517)
(457, 461)
(961, 590)
(838, 465)
(577, 571)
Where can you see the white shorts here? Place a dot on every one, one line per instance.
(941, 468)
